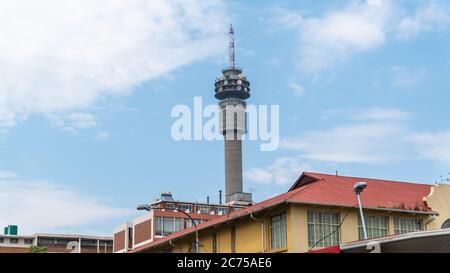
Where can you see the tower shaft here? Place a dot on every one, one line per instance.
(233, 166)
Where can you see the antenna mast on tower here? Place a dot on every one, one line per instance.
(231, 48)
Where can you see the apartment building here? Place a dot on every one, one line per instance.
(72, 243)
(166, 217)
(15, 243)
(56, 243)
(305, 217)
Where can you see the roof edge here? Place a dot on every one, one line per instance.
(298, 181)
(372, 208)
(193, 230)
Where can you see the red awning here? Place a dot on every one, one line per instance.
(331, 249)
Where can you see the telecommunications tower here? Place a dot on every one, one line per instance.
(232, 89)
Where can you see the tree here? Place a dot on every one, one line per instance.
(38, 249)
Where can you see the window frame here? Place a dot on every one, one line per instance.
(191, 207)
(200, 207)
(370, 227)
(329, 241)
(281, 228)
(399, 229)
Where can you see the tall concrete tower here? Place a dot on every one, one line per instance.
(232, 89)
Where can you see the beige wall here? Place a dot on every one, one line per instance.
(249, 231)
(298, 228)
(439, 200)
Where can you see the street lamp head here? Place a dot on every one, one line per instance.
(144, 207)
(359, 187)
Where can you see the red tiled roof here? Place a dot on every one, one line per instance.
(332, 190)
(337, 190)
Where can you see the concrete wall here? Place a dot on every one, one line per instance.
(439, 201)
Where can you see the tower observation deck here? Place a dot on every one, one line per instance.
(232, 89)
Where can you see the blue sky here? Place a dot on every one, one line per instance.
(87, 90)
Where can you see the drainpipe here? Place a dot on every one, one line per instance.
(262, 231)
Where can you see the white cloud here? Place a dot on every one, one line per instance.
(404, 77)
(40, 206)
(360, 26)
(428, 17)
(297, 88)
(61, 56)
(373, 136)
(370, 136)
(374, 142)
(336, 34)
(258, 175)
(433, 146)
(82, 120)
(102, 136)
(7, 175)
(282, 171)
(382, 114)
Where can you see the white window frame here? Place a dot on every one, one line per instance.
(278, 232)
(373, 226)
(318, 231)
(402, 226)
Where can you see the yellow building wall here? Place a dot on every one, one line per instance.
(249, 236)
(439, 200)
(349, 232)
(249, 231)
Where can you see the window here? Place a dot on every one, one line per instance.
(89, 242)
(2, 240)
(28, 241)
(446, 224)
(203, 209)
(186, 207)
(165, 226)
(46, 240)
(214, 243)
(130, 237)
(13, 240)
(105, 243)
(188, 222)
(405, 225)
(222, 211)
(321, 224)
(169, 206)
(278, 232)
(64, 241)
(233, 239)
(376, 226)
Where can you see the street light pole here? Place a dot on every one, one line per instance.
(196, 230)
(358, 188)
(197, 242)
(362, 217)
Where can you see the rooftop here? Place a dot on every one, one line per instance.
(331, 190)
